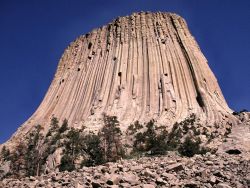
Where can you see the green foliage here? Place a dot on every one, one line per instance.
(5, 153)
(181, 129)
(94, 151)
(66, 164)
(54, 136)
(158, 141)
(174, 137)
(110, 135)
(139, 142)
(64, 126)
(133, 128)
(54, 123)
(192, 143)
(72, 149)
(150, 141)
(32, 155)
(29, 158)
(17, 161)
(73, 143)
(53, 126)
(191, 146)
(52, 140)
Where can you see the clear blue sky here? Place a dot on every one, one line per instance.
(34, 34)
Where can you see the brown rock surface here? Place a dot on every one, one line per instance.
(142, 67)
(139, 67)
(226, 171)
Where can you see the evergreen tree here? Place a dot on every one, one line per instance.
(54, 123)
(53, 141)
(64, 126)
(191, 146)
(53, 126)
(93, 149)
(111, 138)
(150, 141)
(17, 165)
(5, 153)
(66, 163)
(33, 155)
(72, 150)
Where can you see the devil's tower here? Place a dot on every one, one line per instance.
(139, 67)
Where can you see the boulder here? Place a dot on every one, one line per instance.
(175, 167)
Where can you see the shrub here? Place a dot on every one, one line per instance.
(181, 129)
(133, 128)
(64, 126)
(138, 145)
(54, 123)
(5, 153)
(25, 159)
(191, 146)
(159, 145)
(174, 137)
(150, 141)
(66, 163)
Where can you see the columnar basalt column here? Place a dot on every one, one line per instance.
(139, 67)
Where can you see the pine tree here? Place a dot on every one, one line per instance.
(94, 150)
(33, 155)
(5, 153)
(72, 150)
(64, 126)
(17, 165)
(153, 140)
(111, 136)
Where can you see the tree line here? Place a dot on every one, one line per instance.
(82, 148)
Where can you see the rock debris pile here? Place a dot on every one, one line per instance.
(210, 170)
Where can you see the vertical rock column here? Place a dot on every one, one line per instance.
(139, 67)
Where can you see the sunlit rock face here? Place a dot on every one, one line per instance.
(139, 67)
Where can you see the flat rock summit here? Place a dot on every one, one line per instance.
(142, 67)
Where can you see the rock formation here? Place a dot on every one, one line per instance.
(139, 67)
(168, 171)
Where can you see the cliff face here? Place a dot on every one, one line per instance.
(139, 67)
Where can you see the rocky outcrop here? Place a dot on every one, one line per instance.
(239, 138)
(221, 171)
(139, 67)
